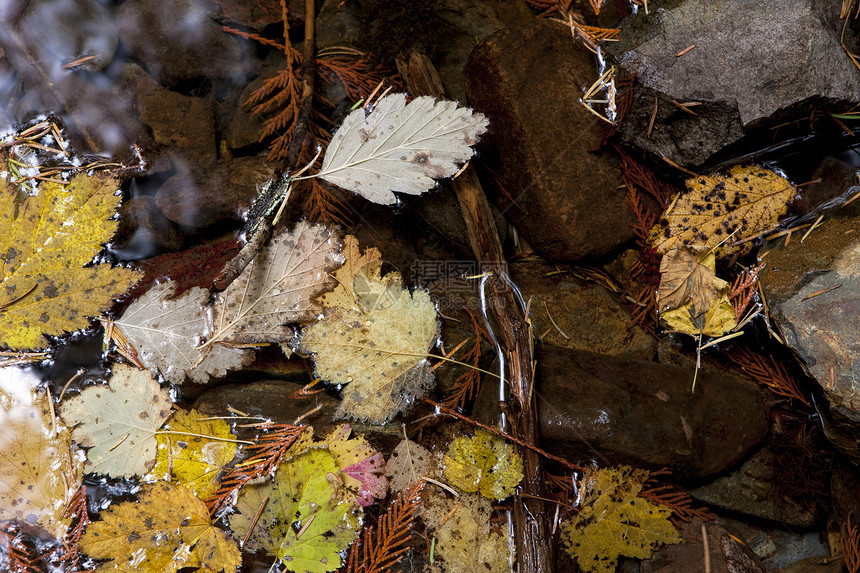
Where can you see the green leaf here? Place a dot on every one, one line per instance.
(309, 517)
(483, 463)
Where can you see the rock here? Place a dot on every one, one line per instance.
(726, 554)
(802, 64)
(572, 313)
(143, 228)
(815, 564)
(844, 485)
(619, 410)
(258, 14)
(751, 490)
(177, 41)
(339, 24)
(564, 200)
(821, 328)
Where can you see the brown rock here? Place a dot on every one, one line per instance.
(564, 200)
(143, 225)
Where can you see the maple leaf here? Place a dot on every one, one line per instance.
(483, 463)
(364, 266)
(687, 275)
(118, 422)
(38, 473)
(166, 331)
(615, 521)
(409, 462)
(193, 452)
(744, 203)
(45, 241)
(400, 147)
(308, 518)
(167, 529)
(362, 466)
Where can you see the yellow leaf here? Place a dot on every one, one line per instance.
(167, 529)
(38, 473)
(614, 521)
(741, 204)
(365, 265)
(44, 242)
(186, 456)
(717, 321)
(483, 463)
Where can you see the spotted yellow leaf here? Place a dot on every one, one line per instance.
(483, 463)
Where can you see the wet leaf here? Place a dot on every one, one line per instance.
(409, 462)
(166, 530)
(401, 147)
(379, 351)
(45, 240)
(277, 287)
(118, 422)
(614, 521)
(364, 266)
(741, 204)
(715, 322)
(483, 463)
(194, 452)
(166, 331)
(38, 476)
(363, 468)
(308, 518)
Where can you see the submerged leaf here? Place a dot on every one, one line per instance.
(193, 451)
(719, 210)
(362, 466)
(614, 521)
(45, 241)
(166, 530)
(401, 147)
(409, 462)
(118, 422)
(308, 518)
(34, 457)
(483, 463)
(364, 266)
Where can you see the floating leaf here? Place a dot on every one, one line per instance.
(38, 474)
(483, 463)
(364, 266)
(409, 462)
(743, 203)
(166, 331)
(166, 530)
(362, 466)
(379, 351)
(45, 240)
(614, 521)
(400, 147)
(193, 452)
(118, 422)
(277, 287)
(308, 517)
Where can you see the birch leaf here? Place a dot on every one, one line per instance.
(277, 287)
(401, 147)
(34, 458)
(167, 529)
(741, 204)
(377, 352)
(118, 422)
(166, 331)
(45, 241)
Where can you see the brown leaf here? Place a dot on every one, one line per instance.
(688, 275)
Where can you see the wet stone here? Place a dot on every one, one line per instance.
(564, 200)
(143, 226)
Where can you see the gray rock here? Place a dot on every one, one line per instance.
(564, 200)
(821, 327)
(750, 61)
(619, 410)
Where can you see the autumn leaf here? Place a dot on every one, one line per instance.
(118, 422)
(38, 472)
(720, 210)
(483, 463)
(307, 519)
(193, 452)
(167, 529)
(409, 462)
(363, 468)
(166, 332)
(715, 322)
(45, 241)
(359, 265)
(400, 147)
(614, 521)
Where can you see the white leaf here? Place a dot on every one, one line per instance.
(399, 147)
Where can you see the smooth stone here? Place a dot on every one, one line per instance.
(565, 201)
(143, 228)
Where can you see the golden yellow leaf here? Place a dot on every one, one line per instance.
(741, 204)
(45, 240)
(614, 521)
(483, 463)
(38, 473)
(356, 264)
(167, 529)
(717, 321)
(192, 452)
